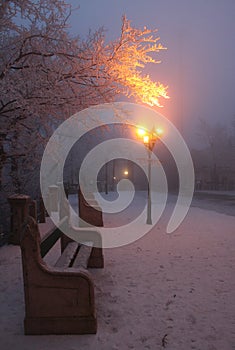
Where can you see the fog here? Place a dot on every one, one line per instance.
(199, 65)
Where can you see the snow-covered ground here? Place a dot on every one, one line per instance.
(173, 290)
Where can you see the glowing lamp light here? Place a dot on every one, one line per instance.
(146, 139)
(149, 138)
(141, 132)
(126, 172)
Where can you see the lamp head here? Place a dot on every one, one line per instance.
(146, 139)
(141, 132)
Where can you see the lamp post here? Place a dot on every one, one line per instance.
(149, 139)
(106, 177)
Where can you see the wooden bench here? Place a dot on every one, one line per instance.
(59, 299)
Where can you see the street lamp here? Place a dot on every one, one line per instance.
(149, 139)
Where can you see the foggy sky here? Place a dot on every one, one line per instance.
(199, 65)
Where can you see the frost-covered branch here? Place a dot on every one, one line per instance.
(46, 75)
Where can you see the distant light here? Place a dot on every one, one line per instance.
(114, 178)
(125, 172)
(159, 131)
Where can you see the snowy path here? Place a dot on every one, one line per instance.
(179, 287)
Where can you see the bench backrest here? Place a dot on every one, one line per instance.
(30, 251)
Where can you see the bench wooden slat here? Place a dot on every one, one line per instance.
(52, 236)
(83, 256)
(68, 254)
(49, 241)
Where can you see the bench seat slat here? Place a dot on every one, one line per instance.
(83, 256)
(68, 255)
(49, 241)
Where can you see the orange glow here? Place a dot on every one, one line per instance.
(146, 90)
(126, 172)
(127, 60)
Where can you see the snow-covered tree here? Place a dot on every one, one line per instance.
(46, 75)
(43, 71)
